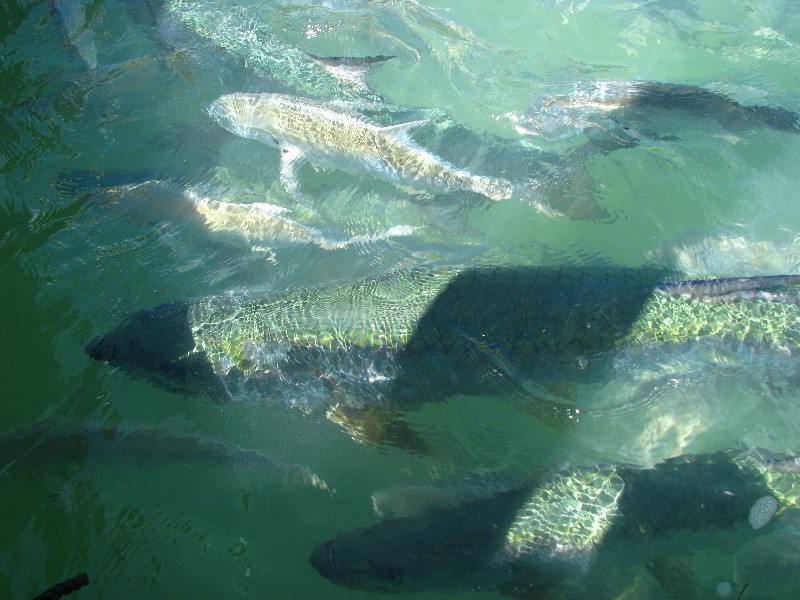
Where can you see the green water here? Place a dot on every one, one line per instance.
(74, 262)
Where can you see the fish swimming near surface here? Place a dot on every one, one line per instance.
(308, 130)
(251, 44)
(56, 442)
(366, 352)
(628, 108)
(78, 33)
(564, 532)
(239, 223)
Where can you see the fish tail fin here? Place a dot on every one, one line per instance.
(769, 288)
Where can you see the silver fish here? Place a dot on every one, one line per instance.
(307, 130)
(628, 108)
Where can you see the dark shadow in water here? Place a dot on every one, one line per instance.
(518, 332)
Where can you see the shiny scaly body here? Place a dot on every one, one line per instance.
(570, 527)
(307, 130)
(408, 337)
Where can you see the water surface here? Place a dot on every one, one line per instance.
(697, 198)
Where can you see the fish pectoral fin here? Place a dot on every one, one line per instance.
(291, 160)
(528, 397)
(675, 576)
(570, 192)
(377, 426)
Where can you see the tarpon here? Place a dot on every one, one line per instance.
(307, 130)
(253, 44)
(52, 441)
(365, 351)
(79, 36)
(628, 109)
(565, 533)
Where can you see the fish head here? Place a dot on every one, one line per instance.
(157, 345)
(441, 549)
(255, 116)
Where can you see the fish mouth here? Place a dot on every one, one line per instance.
(229, 111)
(322, 560)
(95, 349)
(234, 112)
(221, 110)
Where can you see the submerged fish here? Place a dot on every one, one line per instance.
(566, 529)
(245, 223)
(253, 44)
(264, 222)
(306, 130)
(73, 16)
(54, 442)
(365, 351)
(628, 108)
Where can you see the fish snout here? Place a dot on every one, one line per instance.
(222, 111)
(238, 112)
(96, 349)
(322, 560)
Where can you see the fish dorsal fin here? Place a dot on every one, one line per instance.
(404, 129)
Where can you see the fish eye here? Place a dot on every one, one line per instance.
(625, 128)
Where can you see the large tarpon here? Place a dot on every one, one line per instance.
(307, 130)
(566, 535)
(55, 442)
(364, 351)
(629, 109)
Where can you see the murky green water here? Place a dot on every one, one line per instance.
(167, 514)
